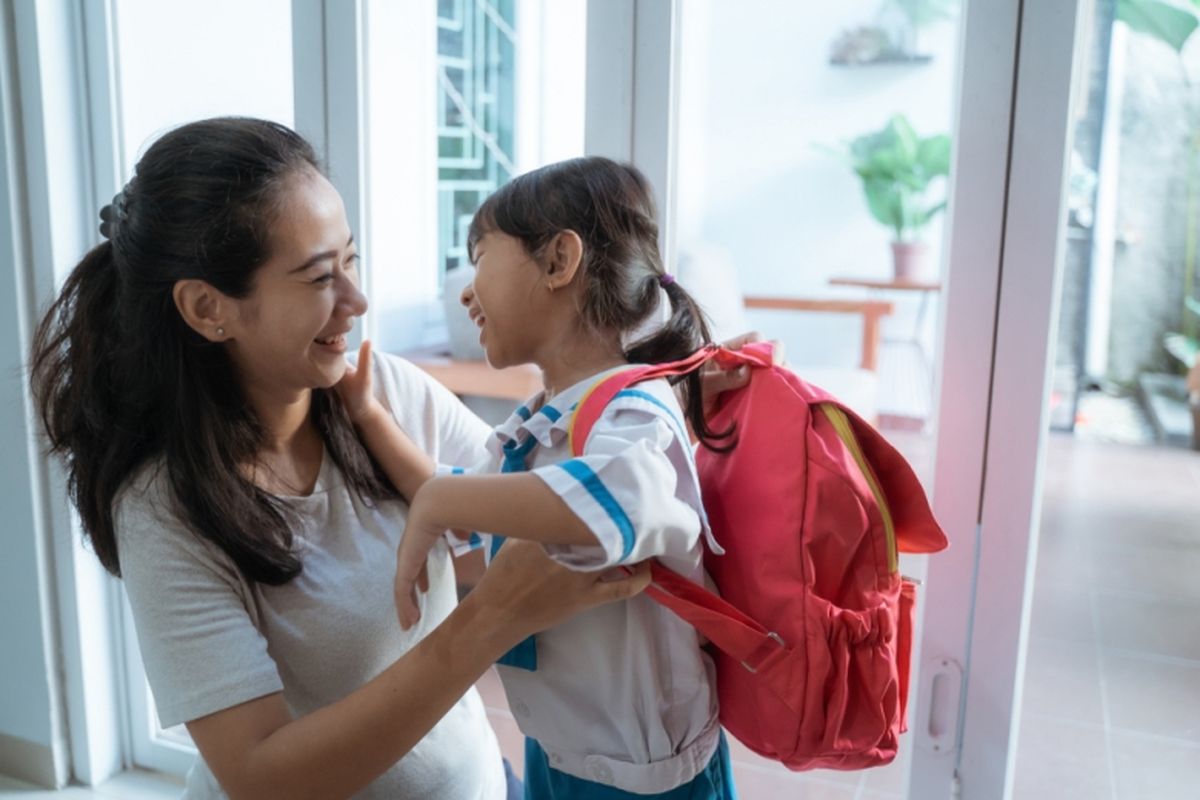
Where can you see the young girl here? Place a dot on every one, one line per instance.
(620, 701)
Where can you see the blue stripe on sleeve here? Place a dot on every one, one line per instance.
(523, 413)
(600, 493)
(457, 471)
(551, 412)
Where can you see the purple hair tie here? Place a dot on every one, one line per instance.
(666, 279)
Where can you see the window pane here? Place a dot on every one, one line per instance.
(477, 56)
(179, 62)
(492, 69)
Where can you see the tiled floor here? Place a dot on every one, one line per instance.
(1112, 687)
(1112, 692)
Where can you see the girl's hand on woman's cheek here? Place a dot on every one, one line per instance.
(357, 389)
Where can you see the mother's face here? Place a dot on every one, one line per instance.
(288, 334)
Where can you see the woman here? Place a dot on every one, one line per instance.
(185, 375)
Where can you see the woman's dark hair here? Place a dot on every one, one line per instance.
(120, 379)
(611, 208)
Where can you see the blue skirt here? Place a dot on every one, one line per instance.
(544, 782)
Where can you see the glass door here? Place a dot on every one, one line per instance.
(1111, 680)
(815, 144)
(878, 186)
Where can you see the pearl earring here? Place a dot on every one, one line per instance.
(220, 331)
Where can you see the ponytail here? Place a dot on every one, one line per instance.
(76, 395)
(684, 332)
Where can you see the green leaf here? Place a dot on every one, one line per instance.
(884, 203)
(934, 155)
(1168, 23)
(1184, 348)
(930, 213)
(924, 12)
(896, 167)
(906, 138)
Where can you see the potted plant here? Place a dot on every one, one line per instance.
(897, 167)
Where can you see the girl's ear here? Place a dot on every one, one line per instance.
(205, 309)
(565, 256)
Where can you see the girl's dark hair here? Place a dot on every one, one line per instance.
(120, 379)
(611, 208)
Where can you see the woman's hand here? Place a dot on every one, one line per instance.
(533, 592)
(356, 388)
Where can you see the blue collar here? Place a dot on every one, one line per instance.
(547, 420)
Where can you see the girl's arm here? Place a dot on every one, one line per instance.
(256, 750)
(405, 465)
(520, 506)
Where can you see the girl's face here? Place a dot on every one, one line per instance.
(507, 300)
(290, 332)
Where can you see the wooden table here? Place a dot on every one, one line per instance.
(914, 340)
(872, 311)
(926, 288)
(478, 378)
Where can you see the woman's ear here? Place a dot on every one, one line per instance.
(206, 310)
(566, 254)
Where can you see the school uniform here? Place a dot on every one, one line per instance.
(621, 700)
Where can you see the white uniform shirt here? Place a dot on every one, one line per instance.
(622, 694)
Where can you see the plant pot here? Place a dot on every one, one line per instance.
(464, 334)
(908, 260)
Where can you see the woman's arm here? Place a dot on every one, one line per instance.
(256, 750)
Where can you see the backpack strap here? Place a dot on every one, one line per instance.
(737, 635)
(759, 651)
(601, 393)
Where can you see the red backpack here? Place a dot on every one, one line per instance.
(813, 628)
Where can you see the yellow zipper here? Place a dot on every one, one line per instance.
(842, 426)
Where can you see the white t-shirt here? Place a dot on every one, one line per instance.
(210, 640)
(622, 694)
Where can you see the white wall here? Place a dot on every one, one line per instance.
(758, 98)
